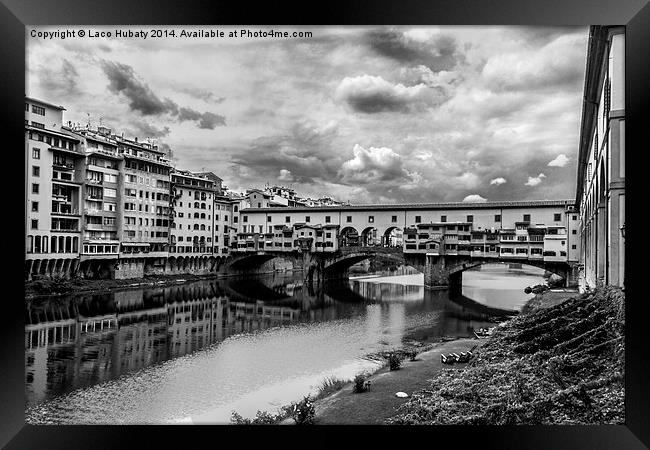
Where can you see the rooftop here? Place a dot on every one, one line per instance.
(425, 206)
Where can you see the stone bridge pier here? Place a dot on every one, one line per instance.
(446, 271)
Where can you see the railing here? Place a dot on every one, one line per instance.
(63, 165)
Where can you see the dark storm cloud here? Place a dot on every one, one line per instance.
(123, 80)
(439, 54)
(206, 120)
(148, 130)
(201, 94)
(371, 94)
(305, 151)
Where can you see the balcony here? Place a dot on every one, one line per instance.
(100, 227)
(65, 212)
(95, 182)
(63, 165)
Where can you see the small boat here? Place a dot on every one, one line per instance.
(483, 333)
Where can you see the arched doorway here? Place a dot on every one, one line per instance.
(348, 237)
(369, 237)
(393, 237)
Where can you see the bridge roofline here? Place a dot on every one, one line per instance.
(420, 206)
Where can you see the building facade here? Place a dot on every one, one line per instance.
(600, 194)
(54, 173)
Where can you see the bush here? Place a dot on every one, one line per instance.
(412, 354)
(302, 412)
(262, 418)
(394, 361)
(330, 385)
(361, 383)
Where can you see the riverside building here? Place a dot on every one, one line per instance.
(600, 194)
(53, 185)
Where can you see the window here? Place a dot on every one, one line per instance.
(35, 206)
(443, 218)
(287, 219)
(393, 219)
(574, 217)
(348, 219)
(34, 188)
(268, 218)
(36, 171)
(245, 219)
(307, 219)
(38, 125)
(470, 218)
(34, 224)
(497, 217)
(574, 247)
(110, 192)
(574, 231)
(418, 219)
(36, 153)
(526, 217)
(371, 219)
(557, 217)
(328, 219)
(26, 106)
(38, 110)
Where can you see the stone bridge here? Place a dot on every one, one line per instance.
(440, 271)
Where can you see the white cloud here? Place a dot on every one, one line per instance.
(560, 161)
(285, 175)
(498, 181)
(534, 181)
(474, 198)
(374, 164)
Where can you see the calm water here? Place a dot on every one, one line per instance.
(194, 353)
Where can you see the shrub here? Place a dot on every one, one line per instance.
(261, 418)
(330, 385)
(361, 383)
(302, 412)
(394, 361)
(412, 354)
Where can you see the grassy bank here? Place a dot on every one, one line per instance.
(61, 286)
(559, 365)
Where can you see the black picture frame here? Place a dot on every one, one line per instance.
(15, 14)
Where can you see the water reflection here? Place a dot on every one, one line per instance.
(201, 349)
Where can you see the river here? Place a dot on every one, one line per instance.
(195, 352)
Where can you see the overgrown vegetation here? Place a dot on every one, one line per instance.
(560, 365)
(303, 412)
(394, 360)
(329, 386)
(361, 383)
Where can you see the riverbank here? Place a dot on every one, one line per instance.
(560, 362)
(59, 287)
(379, 403)
(548, 299)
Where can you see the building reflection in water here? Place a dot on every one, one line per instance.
(79, 341)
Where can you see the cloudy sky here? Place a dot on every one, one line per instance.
(366, 114)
